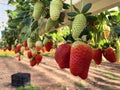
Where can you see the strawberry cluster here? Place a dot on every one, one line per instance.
(78, 56)
(34, 51)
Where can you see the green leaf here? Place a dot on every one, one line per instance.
(118, 16)
(76, 9)
(55, 31)
(20, 88)
(19, 1)
(86, 7)
(34, 25)
(71, 14)
(91, 18)
(11, 2)
(66, 6)
(70, 19)
(46, 2)
(87, 14)
(68, 38)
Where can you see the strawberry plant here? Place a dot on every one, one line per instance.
(34, 27)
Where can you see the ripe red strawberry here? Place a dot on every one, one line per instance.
(9, 48)
(26, 48)
(18, 57)
(97, 55)
(109, 54)
(29, 54)
(62, 55)
(80, 59)
(33, 62)
(16, 50)
(38, 48)
(25, 43)
(38, 58)
(4, 49)
(93, 23)
(43, 49)
(48, 45)
(18, 47)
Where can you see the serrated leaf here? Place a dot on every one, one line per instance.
(71, 14)
(86, 7)
(76, 9)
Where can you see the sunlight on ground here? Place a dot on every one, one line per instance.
(6, 53)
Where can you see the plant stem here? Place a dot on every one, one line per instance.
(82, 4)
(71, 17)
(71, 5)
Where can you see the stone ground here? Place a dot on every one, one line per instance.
(48, 76)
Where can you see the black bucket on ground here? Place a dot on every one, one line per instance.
(20, 79)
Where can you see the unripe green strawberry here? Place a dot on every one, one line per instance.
(117, 51)
(22, 49)
(45, 40)
(55, 8)
(50, 24)
(38, 45)
(33, 51)
(13, 47)
(38, 9)
(80, 59)
(16, 41)
(78, 25)
(29, 42)
(106, 29)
